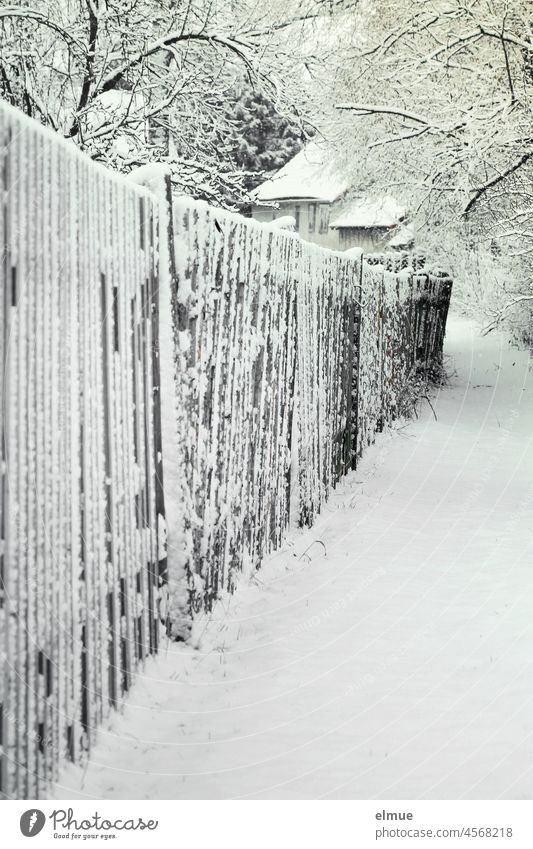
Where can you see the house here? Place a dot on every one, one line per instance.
(309, 190)
(373, 224)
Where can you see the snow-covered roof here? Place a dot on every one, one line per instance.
(405, 236)
(371, 212)
(309, 174)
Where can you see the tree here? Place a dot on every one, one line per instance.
(261, 139)
(131, 81)
(436, 101)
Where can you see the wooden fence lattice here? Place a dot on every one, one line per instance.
(286, 359)
(81, 476)
(271, 331)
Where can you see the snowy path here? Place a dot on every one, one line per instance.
(400, 665)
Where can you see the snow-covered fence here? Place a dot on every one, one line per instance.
(81, 483)
(327, 296)
(260, 315)
(403, 320)
(236, 348)
(289, 358)
(397, 260)
(285, 360)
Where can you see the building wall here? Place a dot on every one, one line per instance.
(368, 239)
(307, 214)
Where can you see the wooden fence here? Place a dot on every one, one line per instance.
(81, 484)
(289, 358)
(283, 360)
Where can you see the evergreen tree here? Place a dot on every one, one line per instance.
(262, 140)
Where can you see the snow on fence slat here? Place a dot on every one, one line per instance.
(78, 530)
(270, 332)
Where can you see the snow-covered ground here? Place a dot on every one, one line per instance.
(385, 653)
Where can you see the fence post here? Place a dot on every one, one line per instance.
(156, 178)
(5, 577)
(381, 337)
(292, 420)
(358, 320)
(166, 257)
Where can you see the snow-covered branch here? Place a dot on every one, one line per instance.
(151, 79)
(41, 19)
(372, 109)
(512, 169)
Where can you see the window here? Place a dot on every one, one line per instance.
(297, 217)
(324, 218)
(312, 217)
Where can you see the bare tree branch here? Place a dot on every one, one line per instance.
(368, 109)
(498, 179)
(115, 76)
(41, 19)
